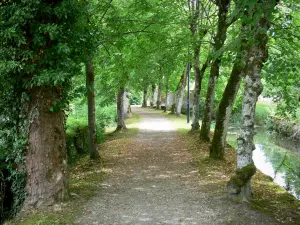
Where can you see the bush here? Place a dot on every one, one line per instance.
(134, 100)
(77, 127)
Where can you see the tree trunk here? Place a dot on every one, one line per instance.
(224, 112)
(153, 96)
(195, 12)
(198, 80)
(145, 96)
(90, 87)
(180, 92)
(46, 157)
(120, 110)
(239, 186)
(158, 101)
(197, 91)
(167, 93)
(215, 68)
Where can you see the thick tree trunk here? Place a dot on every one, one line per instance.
(121, 113)
(180, 92)
(224, 112)
(90, 87)
(159, 91)
(239, 186)
(153, 96)
(219, 40)
(145, 96)
(167, 97)
(46, 157)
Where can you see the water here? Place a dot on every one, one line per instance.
(281, 163)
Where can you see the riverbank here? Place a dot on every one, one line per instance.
(268, 197)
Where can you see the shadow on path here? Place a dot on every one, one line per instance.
(151, 180)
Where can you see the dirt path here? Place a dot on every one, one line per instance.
(152, 181)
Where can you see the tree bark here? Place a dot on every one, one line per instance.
(194, 7)
(196, 101)
(159, 91)
(239, 186)
(120, 110)
(153, 96)
(180, 92)
(219, 40)
(90, 87)
(224, 112)
(46, 156)
(167, 93)
(198, 80)
(145, 96)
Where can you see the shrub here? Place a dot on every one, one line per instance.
(77, 126)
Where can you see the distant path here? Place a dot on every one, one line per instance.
(154, 182)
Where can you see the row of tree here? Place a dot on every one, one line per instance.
(129, 45)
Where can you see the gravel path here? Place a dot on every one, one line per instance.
(153, 182)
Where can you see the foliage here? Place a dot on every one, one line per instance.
(282, 70)
(77, 123)
(134, 44)
(37, 49)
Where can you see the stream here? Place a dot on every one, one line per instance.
(275, 156)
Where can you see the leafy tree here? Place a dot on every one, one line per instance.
(259, 13)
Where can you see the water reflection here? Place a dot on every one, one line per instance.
(277, 162)
(277, 167)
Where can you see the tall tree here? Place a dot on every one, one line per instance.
(121, 113)
(41, 57)
(239, 186)
(90, 80)
(219, 40)
(198, 28)
(180, 92)
(145, 92)
(225, 108)
(167, 94)
(153, 89)
(159, 93)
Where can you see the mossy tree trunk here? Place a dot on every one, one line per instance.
(145, 92)
(90, 87)
(223, 7)
(121, 113)
(46, 156)
(257, 55)
(224, 112)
